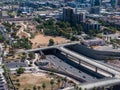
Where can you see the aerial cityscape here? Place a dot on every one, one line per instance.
(59, 44)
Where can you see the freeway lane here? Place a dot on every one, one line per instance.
(105, 68)
(102, 83)
(70, 69)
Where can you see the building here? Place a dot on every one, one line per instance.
(118, 2)
(95, 10)
(68, 13)
(80, 1)
(0, 12)
(94, 42)
(114, 3)
(73, 15)
(91, 25)
(79, 17)
(95, 3)
(25, 10)
(67, 1)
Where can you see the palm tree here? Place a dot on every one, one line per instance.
(43, 86)
(39, 87)
(52, 83)
(58, 81)
(65, 80)
(75, 86)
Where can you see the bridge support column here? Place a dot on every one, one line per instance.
(79, 61)
(55, 51)
(96, 69)
(113, 75)
(66, 55)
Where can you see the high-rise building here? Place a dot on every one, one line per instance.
(80, 1)
(114, 3)
(67, 1)
(91, 25)
(118, 2)
(0, 12)
(68, 14)
(95, 10)
(79, 17)
(95, 2)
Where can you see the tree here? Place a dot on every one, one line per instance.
(6, 70)
(73, 38)
(65, 80)
(20, 70)
(34, 88)
(23, 57)
(51, 42)
(58, 81)
(31, 55)
(75, 86)
(43, 86)
(39, 87)
(103, 88)
(2, 39)
(52, 83)
(38, 20)
(94, 88)
(80, 88)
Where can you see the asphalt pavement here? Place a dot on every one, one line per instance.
(68, 68)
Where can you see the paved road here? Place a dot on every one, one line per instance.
(48, 47)
(111, 81)
(70, 69)
(103, 67)
(102, 83)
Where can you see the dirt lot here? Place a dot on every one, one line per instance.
(41, 40)
(30, 80)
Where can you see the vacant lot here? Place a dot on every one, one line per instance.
(41, 40)
(28, 81)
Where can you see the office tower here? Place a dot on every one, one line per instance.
(79, 17)
(114, 3)
(95, 3)
(0, 12)
(68, 14)
(118, 2)
(95, 10)
(80, 1)
(67, 1)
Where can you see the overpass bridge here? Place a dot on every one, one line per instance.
(91, 62)
(78, 56)
(100, 84)
(111, 81)
(49, 47)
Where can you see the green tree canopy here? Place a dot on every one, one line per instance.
(51, 42)
(20, 70)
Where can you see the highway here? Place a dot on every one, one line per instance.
(101, 83)
(85, 59)
(109, 82)
(90, 61)
(60, 64)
